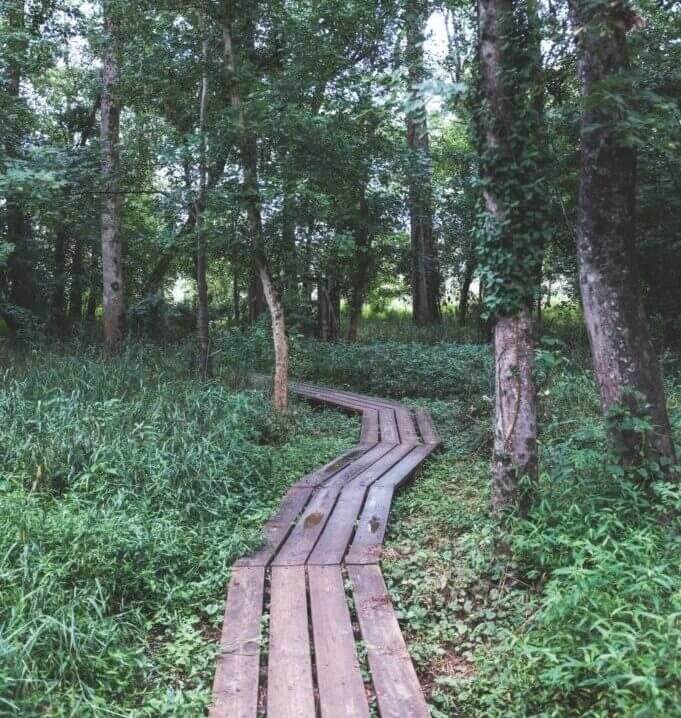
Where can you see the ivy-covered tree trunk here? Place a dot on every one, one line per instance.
(625, 363)
(251, 198)
(509, 258)
(425, 285)
(112, 251)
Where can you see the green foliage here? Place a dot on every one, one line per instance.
(127, 490)
(581, 617)
(390, 368)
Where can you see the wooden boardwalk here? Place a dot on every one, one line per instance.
(300, 607)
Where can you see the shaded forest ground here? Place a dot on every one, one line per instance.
(128, 487)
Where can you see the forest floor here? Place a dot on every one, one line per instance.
(129, 487)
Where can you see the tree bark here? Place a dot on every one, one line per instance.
(19, 270)
(76, 288)
(251, 198)
(464, 295)
(202, 315)
(363, 262)
(59, 289)
(236, 295)
(256, 297)
(112, 254)
(625, 363)
(425, 289)
(515, 423)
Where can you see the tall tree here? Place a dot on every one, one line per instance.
(425, 285)
(510, 243)
(625, 363)
(202, 318)
(22, 290)
(112, 252)
(250, 190)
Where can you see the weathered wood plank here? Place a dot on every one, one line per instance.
(339, 680)
(302, 539)
(304, 535)
(367, 543)
(388, 424)
(427, 428)
(278, 527)
(369, 433)
(363, 398)
(320, 476)
(406, 427)
(235, 688)
(335, 536)
(325, 397)
(397, 687)
(400, 473)
(290, 692)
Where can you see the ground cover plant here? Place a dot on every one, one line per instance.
(582, 616)
(127, 489)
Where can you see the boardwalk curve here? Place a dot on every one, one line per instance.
(302, 608)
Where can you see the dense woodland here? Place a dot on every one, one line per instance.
(469, 206)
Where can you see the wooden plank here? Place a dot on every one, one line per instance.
(278, 527)
(342, 393)
(397, 687)
(304, 535)
(235, 688)
(290, 692)
(337, 532)
(427, 429)
(325, 397)
(361, 465)
(369, 433)
(401, 472)
(339, 680)
(320, 476)
(388, 424)
(406, 426)
(335, 537)
(367, 543)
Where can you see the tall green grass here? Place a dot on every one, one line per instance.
(127, 489)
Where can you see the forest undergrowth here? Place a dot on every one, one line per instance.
(129, 487)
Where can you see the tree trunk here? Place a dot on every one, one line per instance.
(625, 363)
(425, 289)
(515, 414)
(202, 316)
(256, 297)
(59, 289)
(236, 295)
(466, 290)
(76, 288)
(19, 270)
(515, 423)
(112, 255)
(251, 199)
(322, 309)
(363, 262)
